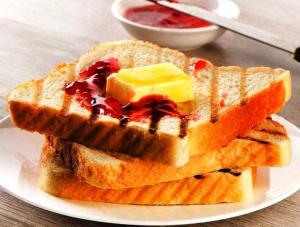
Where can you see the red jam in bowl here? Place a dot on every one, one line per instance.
(162, 17)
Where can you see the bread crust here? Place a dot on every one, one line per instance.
(265, 145)
(211, 188)
(237, 120)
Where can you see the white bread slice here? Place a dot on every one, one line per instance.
(43, 106)
(265, 145)
(217, 187)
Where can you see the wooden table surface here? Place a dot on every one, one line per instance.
(35, 35)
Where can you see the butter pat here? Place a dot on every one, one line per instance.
(129, 85)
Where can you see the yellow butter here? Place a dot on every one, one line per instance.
(129, 85)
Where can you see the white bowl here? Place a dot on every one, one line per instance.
(182, 39)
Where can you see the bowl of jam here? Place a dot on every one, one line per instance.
(170, 28)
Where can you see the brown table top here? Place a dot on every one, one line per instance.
(36, 35)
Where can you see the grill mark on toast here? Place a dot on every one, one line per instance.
(66, 104)
(80, 130)
(158, 59)
(120, 194)
(155, 150)
(67, 99)
(226, 170)
(180, 187)
(252, 159)
(38, 91)
(222, 194)
(26, 117)
(256, 140)
(131, 140)
(157, 194)
(139, 196)
(50, 121)
(243, 86)
(60, 122)
(107, 136)
(113, 140)
(183, 127)
(186, 65)
(214, 96)
(212, 187)
(90, 136)
(192, 191)
(154, 155)
(61, 128)
(35, 118)
(149, 147)
(130, 63)
(76, 126)
(99, 134)
(273, 132)
(104, 193)
(140, 145)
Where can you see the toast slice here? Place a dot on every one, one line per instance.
(265, 145)
(228, 102)
(217, 187)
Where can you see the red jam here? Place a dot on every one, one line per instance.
(199, 64)
(146, 106)
(154, 107)
(91, 85)
(222, 103)
(90, 93)
(96, 74)
(163, 17)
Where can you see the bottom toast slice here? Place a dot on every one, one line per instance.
(221, 186)
(265, 145)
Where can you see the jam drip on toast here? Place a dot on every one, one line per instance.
(154, 107)
(236, 174)
(90, 88)
(90, 93)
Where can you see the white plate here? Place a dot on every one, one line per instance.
(19, 152)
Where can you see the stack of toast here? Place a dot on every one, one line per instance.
(206, 156)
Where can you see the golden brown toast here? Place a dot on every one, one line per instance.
(229, 101)
(217, 187)
(265, 145)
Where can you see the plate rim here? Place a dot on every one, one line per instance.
(113, 220)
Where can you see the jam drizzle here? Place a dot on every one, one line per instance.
(90, 93)
(199, 177)
(154, 107)
(183, 126)
(90, 88)
(236, 174)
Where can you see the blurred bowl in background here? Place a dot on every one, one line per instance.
(182, 39)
